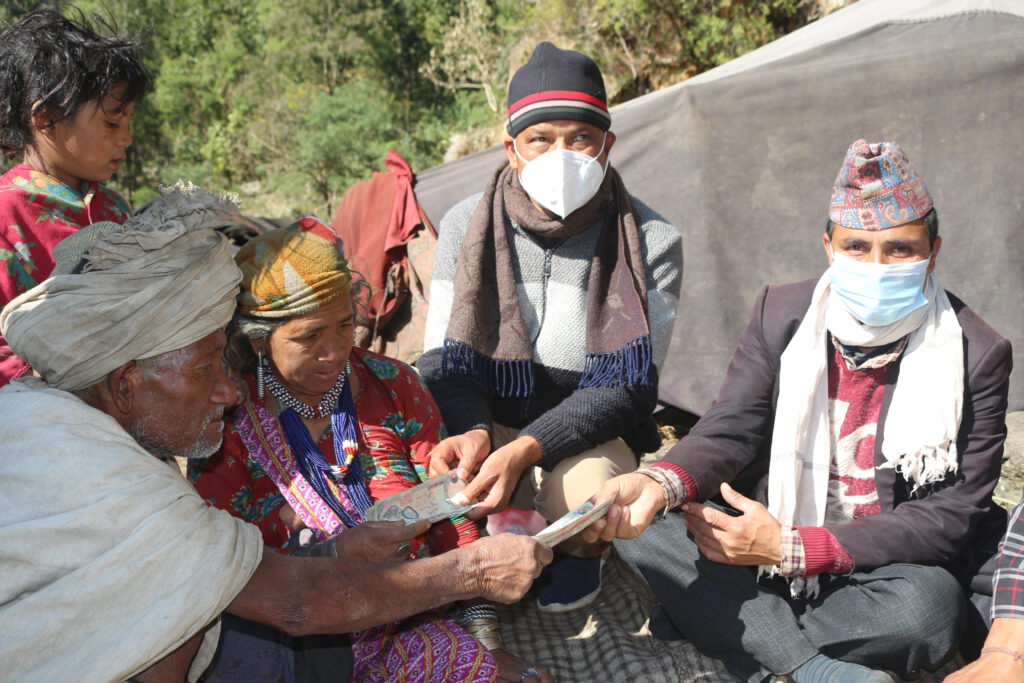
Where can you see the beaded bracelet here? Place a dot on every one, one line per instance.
(1004, 651)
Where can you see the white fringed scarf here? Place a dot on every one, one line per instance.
(922, 423)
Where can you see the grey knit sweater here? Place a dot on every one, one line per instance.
(552, 285)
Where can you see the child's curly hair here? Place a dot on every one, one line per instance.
(52, 65)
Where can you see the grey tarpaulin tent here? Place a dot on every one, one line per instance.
(742, 158)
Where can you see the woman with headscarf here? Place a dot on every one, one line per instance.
(326, 430)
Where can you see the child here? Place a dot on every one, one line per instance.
(66, 96)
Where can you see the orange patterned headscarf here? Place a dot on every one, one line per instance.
(292, 271)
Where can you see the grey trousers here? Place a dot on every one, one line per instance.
(901, 617)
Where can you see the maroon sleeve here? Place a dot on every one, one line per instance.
(737, 428)
(822, 552)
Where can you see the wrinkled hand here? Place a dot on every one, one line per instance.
(465, 451)
(996, 666)
(510, 668)
(503, 567)
(753, 538)
(637, 499)
(378, 541)
(992, 666)
(493, 484)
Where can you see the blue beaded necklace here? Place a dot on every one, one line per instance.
(311, 462)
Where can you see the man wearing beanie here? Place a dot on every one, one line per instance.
(552, 305)
(856, 441)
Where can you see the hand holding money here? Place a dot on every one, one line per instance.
(636, 499)
(430, 501)
(573, 522)
(501, 470)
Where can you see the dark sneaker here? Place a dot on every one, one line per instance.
(569, 583)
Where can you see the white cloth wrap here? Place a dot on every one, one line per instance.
(148, 289)
(922, 423)
(110, 559)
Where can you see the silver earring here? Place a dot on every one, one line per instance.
(261, 367)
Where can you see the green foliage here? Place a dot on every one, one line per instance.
(291, 103)
(12, 10)
(643, 45)
(343, 134)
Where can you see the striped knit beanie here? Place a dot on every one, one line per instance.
(877, 188)
(555, 85)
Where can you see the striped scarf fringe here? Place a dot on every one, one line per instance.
(630, 366)
(505, 378)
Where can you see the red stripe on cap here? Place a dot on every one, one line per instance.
(556, 95)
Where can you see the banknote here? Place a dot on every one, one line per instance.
(573, 522)
(430, 500)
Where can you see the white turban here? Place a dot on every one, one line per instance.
(161, 281)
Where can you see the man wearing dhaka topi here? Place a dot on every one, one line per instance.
(855, 443)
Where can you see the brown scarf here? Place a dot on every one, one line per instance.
(487, 339)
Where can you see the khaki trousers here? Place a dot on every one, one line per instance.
(571, 482)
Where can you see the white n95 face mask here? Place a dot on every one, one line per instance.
(562, 180)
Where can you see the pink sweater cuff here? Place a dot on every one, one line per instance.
(822, 552)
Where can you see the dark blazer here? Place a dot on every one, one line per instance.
(937, 525)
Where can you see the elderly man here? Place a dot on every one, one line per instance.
(552, 304)
(868, 410)
(113, 566)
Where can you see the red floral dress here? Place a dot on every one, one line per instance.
(398, 422)
(36, 212)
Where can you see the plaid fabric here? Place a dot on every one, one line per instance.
(611, 640)
(676, 491)
(792, 552)
(608, 641)
(1008, 583)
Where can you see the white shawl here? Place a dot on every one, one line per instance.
(110, 559)
(922, 423)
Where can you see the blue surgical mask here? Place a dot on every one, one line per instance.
(878, 294)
